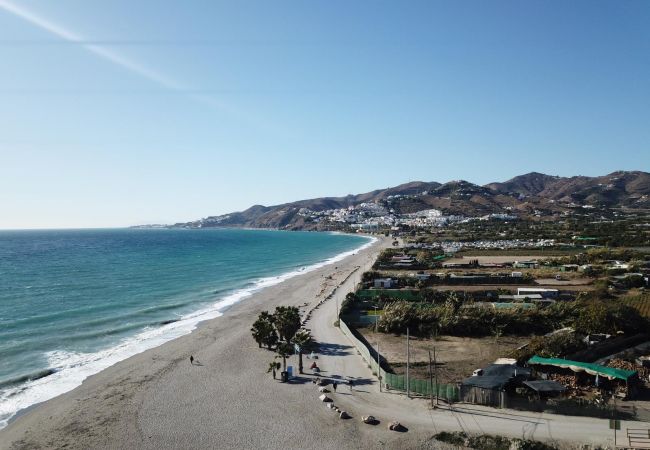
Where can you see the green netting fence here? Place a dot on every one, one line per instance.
(449, 392)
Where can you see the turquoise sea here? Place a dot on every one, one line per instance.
(73, 302)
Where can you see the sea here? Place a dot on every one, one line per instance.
(74, 302)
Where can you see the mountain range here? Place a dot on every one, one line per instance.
(530, 194)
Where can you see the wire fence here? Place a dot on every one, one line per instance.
(391, 381)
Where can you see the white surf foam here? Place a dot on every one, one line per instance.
(72, 368)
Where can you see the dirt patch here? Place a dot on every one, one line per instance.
(456, 357)
(568, 282)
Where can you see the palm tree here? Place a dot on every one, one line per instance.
(263, 330)
(287, 321)
(273, 366)
(284, 350)
(304, 341)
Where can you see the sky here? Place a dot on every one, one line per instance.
(119, 112)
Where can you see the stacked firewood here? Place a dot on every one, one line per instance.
(644, 372)
(567, 380)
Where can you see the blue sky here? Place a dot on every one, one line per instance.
(114, 113)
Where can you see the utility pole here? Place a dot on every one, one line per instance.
(378, 367)
(336, 298)
(435, 369)
(431, 380)
(408, 363)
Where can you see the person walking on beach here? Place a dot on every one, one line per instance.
(350, 383)
(334, 386)
(192, 359)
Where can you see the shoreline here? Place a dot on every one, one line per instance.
(32, 416)
(46, 388)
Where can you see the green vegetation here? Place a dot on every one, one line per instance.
(453, 318)
(304, 341)
(615, 230)
(490, 442)
(599, 255)
(264, 331)
(554, 346)
(286, 320)
(421, 259)
(640, 302)
(544, 252)
(388, 295)
(281, 331)
(284, 350)
(273, 366)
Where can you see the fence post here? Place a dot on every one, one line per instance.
(435, 368)
(408, 361)
(431, 380)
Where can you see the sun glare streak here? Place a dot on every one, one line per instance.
(147, 73)
(100, 51)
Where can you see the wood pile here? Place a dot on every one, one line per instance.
(567, 380)
(644, 372)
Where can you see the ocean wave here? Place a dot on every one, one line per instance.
(69, 369)
(27, 377)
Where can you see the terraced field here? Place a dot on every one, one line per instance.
(640, 302)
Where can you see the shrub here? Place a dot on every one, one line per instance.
(490, 442)
(426, 319)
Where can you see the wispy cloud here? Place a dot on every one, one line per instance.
(162, 80)
(100, 51)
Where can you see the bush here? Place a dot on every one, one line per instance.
(453, 438)
(490, 442)
(554, 346)
(611, 317)
(425, 319)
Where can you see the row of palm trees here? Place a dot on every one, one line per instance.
(281, 332)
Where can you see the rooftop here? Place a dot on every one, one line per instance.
(590, 368)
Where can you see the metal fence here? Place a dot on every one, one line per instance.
(391, 381)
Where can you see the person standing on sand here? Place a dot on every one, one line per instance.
(192, 359)
(350, 383)
(334, 386)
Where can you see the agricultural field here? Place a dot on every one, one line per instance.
(641, 302)
(457, 357)
(521, 253)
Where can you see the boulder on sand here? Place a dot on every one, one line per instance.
(370, 420)
(325, 398)
(396, 426)
(344, 415)
(323, 389)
